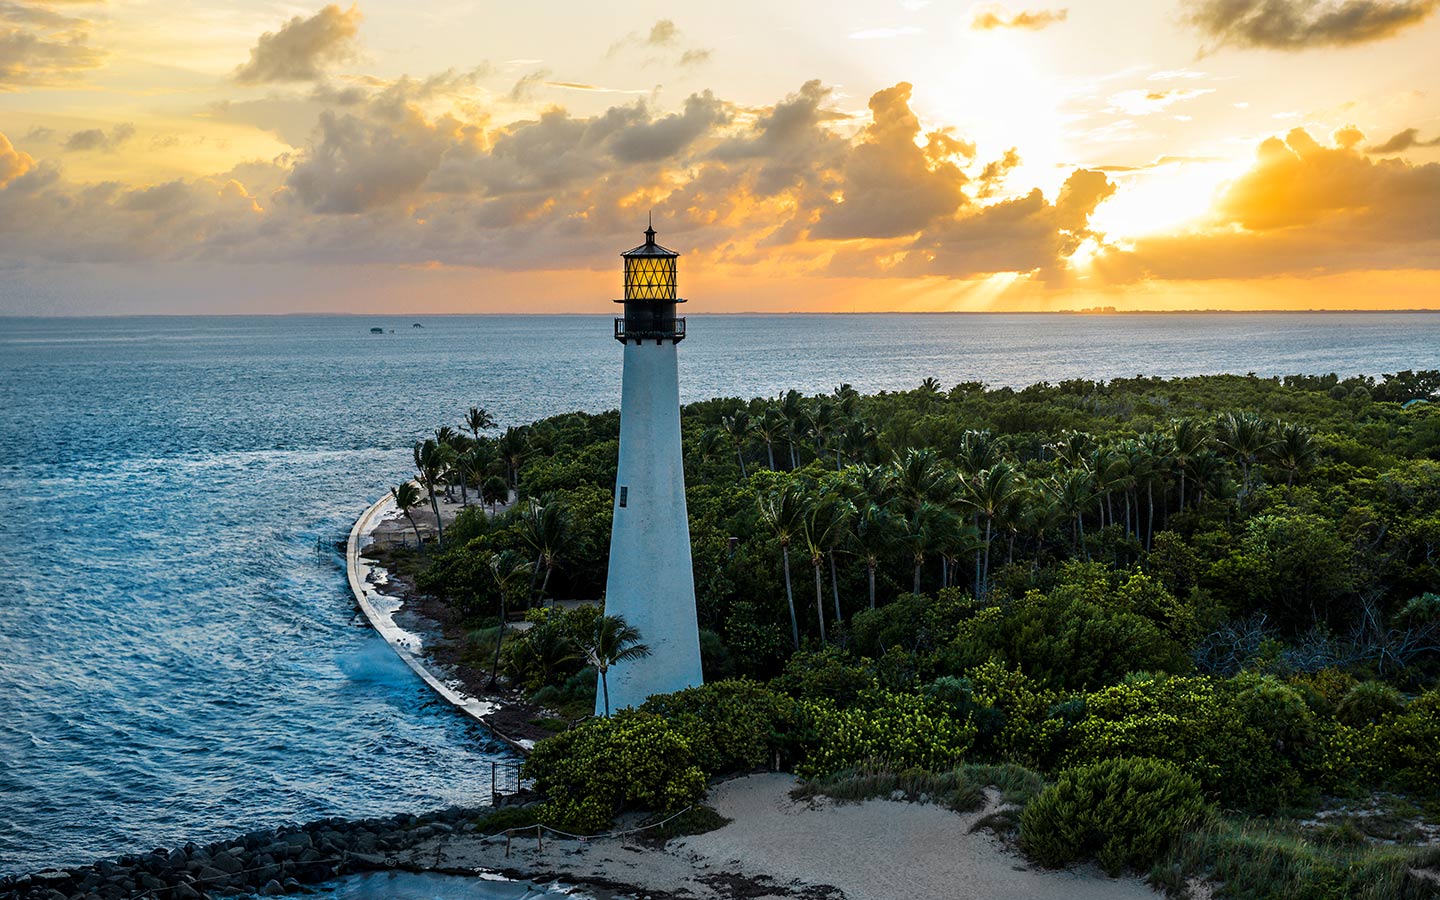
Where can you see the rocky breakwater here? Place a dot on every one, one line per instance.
(271, 862)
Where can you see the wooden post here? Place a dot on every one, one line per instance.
(539, 840)
(494, 790)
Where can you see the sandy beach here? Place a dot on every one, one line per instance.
(778, 847)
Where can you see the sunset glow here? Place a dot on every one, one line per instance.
(427, 156)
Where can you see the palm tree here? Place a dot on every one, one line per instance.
(736, 427)
(1155, 446)
(791, 406)
(407, 497)
(819, 524)
(510, 569)
(544, 526)
(782, 512)
(918, 477)
(926, 529)
(875, 532)
(769, 428)
(1187, 439)
(1074, 492)
(612, 642)
(978, 450)
(431, 462)
(494, 491)
(1294, 451)
(478, 419)
(513, 446)
(991, 493)
(823, 424)
(1246, 436)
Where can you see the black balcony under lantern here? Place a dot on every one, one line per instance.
(650, 294)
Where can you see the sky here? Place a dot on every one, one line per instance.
(198, 156)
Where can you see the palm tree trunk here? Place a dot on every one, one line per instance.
(916, 588)
(605, 688)
(499, 640)
(835, 587)
(986, 579)
(419, 541)
(1182, 489)
(870, 576)
(740, 455)
(1149, 512)
(819, 597)
(439, 531)
(770, 451)
(549, 567)
(790, 598)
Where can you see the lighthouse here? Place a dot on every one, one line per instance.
(651, 582)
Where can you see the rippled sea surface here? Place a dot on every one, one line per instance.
(180, 657)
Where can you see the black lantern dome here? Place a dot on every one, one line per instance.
(650, 294)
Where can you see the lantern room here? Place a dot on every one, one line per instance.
(650, 294)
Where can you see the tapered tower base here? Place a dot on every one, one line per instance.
(651, 581)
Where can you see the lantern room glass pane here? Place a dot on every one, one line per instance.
(650, 278)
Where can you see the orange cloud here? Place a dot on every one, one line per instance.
(1303, 209)
(993, 16)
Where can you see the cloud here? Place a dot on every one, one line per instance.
(526, 85)
(890, 185)
(40, 47)
(662, 44)
(302, 48)
(386, 178)
(1299, 24)
(1305, 209)
(1143, 102)
(1402, 141)
(93, 139)
(13, 163)
(1026, 234)
(990, 17)
(663, 138)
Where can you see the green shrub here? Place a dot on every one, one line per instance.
(590, 773)
(1403, 750)
(828, 674)
(1124, 812)
(900, 731)
(1030, 728)
(731, 725)
(1367, 703)
(1250, 741)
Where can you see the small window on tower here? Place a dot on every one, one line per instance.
(624, 495)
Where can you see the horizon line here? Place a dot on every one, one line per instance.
(1090, 312)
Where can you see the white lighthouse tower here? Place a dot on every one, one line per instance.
(651, 582)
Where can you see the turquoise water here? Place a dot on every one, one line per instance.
(179, 655)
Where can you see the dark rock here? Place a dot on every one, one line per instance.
(185, 892)
(227, 863)
(151, 883)
(273, 888)
(210, 877)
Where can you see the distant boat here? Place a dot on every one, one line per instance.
(377, 331)
(417, 325)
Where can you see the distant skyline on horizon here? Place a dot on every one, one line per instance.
(208, 157)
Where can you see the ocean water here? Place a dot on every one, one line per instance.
(179, 654)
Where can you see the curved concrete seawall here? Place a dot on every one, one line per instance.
(380, 610)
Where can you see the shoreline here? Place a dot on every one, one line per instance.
(366, 577)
